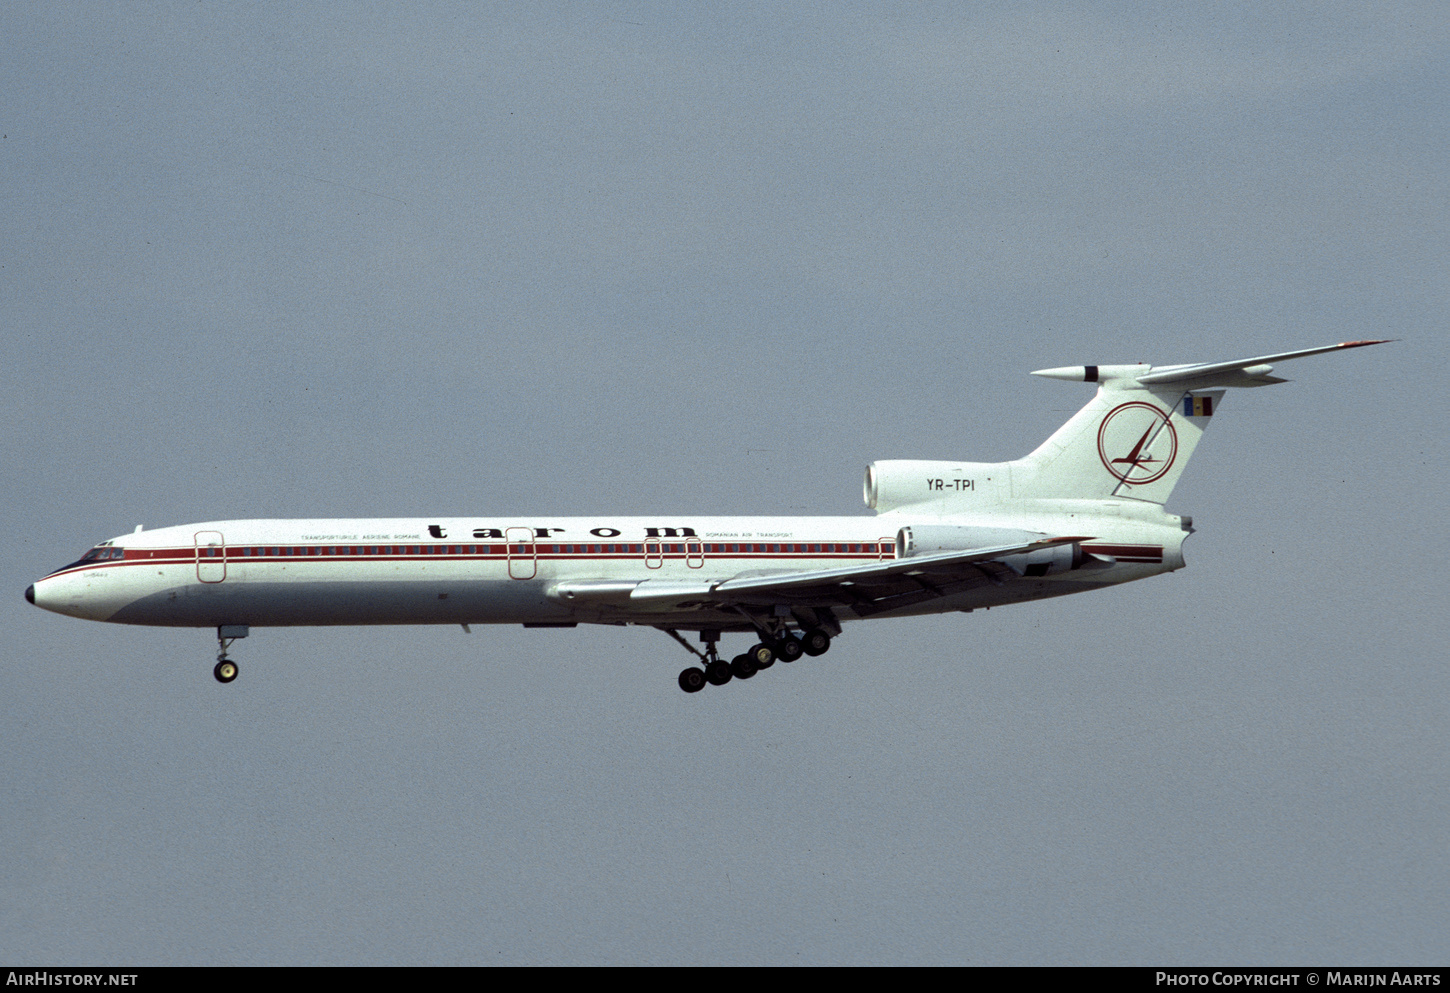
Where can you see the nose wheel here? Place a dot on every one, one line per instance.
(226, 670)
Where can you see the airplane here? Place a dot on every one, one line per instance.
(1081, 512)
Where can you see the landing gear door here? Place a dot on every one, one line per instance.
(523, 562)
(211, 557)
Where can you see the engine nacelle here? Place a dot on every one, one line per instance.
(956, 486)
(932, 539)
(1059, 558)
(929, 539)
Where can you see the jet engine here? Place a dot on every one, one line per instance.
(934, 539)
(894, 483)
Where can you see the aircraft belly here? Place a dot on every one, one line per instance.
(323, 602)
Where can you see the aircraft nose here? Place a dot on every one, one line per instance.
(30, 592)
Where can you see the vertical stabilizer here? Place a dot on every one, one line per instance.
(1135, 437)
(1129, 442)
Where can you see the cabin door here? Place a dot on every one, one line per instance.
(211, 557)
(523, 561)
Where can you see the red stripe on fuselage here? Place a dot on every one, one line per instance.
(231, 554)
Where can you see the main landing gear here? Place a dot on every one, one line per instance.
(226, 670)
(782, 646)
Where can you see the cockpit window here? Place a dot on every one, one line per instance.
(103, 554)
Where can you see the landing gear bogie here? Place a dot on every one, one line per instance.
(762, 655)
(776, 642)
(789, 648)
(743, 666)
(815, 642)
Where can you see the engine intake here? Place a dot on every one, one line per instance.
(956, 486)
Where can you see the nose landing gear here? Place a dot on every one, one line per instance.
(226, 670)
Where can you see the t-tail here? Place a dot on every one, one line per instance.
(1131, 442)
(1135, 437)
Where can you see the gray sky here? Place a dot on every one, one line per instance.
(629, 258)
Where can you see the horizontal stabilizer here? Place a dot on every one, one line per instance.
(1194, 376)
(1136, 435)
(1240, 372)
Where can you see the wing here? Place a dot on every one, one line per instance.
(865, 589)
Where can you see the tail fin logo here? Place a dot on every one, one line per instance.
(1137, 442)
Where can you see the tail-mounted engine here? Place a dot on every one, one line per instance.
(933, 539)
(954, 486)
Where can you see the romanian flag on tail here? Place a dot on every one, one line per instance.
(1197, 406)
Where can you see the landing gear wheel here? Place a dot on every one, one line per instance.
(225, 671)
(789, 649)
(743, 666)
(816, 642)
(762, 655)
(692, 680)
(718, 673)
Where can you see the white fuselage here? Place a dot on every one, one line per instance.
(1081, 511)
(512, 571)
